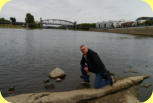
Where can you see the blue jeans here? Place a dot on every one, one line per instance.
(99, 80)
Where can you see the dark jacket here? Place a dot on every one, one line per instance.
(93, 62)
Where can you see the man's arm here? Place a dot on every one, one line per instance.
(82, 62)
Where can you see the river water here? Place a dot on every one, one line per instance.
(27, 57)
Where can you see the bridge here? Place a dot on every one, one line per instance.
(65, 23)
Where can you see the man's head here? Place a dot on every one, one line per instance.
(84, 49)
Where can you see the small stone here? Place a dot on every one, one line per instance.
(46, 81)
(58, 79)
(50, 86)
(11, 90)
(147, 85)
(83, 85)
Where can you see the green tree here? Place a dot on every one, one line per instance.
(4, 21)
(13, 20)
(149, 22)
(29, 20)
(86, 26)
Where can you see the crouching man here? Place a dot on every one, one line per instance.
(91, 62)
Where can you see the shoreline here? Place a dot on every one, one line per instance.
(124, 88)
(142, 31)
(2, 26)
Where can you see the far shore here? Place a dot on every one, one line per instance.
(11, 26)
(143, 31)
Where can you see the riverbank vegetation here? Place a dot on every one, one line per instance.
(86, 26)
(29, 23)
(11, 26)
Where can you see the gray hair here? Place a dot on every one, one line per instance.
(83, 46)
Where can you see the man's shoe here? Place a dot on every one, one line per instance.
(112, 81)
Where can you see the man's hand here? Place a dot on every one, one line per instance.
(86, 69)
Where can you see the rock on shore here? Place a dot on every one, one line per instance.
(76, 96)
(57, 73)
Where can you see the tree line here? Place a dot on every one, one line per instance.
(29, 21)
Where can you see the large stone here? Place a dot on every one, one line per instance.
(78, 95)
(57, 73)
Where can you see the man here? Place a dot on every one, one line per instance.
(91, 62)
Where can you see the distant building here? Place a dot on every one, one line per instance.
(144, 19)
(118, 24)
(129, 24)
(104, 25)
(109, 24)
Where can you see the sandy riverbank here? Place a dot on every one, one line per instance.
(145, 31)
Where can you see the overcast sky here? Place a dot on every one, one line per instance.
(77, 10)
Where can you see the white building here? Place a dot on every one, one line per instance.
(104, 25)
(109, 24)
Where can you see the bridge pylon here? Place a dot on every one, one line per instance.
(75, 25)
(41, 23)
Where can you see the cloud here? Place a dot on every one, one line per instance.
(77, 10)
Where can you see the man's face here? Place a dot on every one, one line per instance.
(84, 50)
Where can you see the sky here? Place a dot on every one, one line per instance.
(82, 11)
